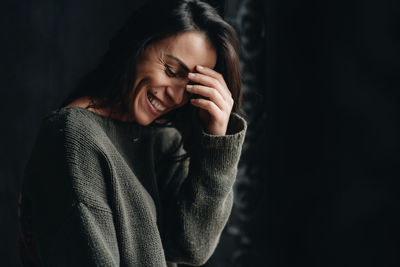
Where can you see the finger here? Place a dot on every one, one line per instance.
(210, 82)
(212, 73)
(210, 93)
(208, 105)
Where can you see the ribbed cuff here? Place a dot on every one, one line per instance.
(236, 131)
(218, 156)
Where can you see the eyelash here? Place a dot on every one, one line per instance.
(169, 71)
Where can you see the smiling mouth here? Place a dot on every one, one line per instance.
(155, 103)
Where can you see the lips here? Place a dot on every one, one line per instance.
(155, 103)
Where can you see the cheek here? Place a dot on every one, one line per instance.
(154, 74)
(158, 78)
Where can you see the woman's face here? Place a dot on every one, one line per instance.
(161, 74)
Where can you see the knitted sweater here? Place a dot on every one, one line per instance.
(106, 192)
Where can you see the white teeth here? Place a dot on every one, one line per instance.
(155, 103)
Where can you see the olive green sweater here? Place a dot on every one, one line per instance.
(107, 193)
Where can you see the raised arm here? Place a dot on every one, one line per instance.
(199, 196)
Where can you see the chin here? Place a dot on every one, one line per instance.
(147, 109)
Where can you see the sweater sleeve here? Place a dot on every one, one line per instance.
(68, 230)
(199, 195)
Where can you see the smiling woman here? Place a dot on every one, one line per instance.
(132, 169)
(162, 74)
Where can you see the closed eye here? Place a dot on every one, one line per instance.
(170, 72)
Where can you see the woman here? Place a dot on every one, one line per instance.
(137, 167)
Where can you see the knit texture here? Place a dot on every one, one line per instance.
(109, 193)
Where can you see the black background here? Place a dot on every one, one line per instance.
(319, 178)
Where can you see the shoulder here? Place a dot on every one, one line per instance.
(67, 135)
(70, 118)
(67, 162)
(70, 150)
(71, 125)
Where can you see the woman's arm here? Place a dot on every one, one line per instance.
(198, 199)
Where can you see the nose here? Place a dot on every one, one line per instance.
(176, 94)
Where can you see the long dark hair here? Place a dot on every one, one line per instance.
(111, 83)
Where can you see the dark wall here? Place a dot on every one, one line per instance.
(318, 180)
(321, 169)
(46, 46)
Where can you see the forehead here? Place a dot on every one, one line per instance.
(192, 48)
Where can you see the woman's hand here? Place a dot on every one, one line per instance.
(216, 106)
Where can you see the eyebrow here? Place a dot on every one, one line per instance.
(180, 62)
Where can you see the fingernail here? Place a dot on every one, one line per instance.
(200, 67)
(189, 86)
(191, 75)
